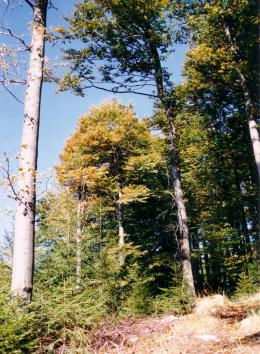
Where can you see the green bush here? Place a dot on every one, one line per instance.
(17, 323)
(247, 284)
(139, 301)
(66, 315)
(173, 300)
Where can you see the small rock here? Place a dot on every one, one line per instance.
(133, 339)
(207, 337)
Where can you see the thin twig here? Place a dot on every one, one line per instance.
(9, 32)
(9, 179)
(12, 94)
(5, 81)
(7, 173)
(117, 91)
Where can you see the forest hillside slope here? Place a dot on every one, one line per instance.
(217, 325)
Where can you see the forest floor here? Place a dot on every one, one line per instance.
(217, 325)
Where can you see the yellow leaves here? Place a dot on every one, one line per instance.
(151, 162)
(59, 29)
(134, 193)
(202, 54)
(110, 144)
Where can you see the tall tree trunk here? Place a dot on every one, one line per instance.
(249, 106)
(252, 124)
(175, 175)
(242, 214)
(121, 230)
(78, 244)
(23, 253)
(206, 263)
(182, 216)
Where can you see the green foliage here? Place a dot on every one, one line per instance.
(18, 325)
(17, 332)
(113, 160)
(65, 313)
(248, 283)
(56, 315)
(125, 35)
(217, 165)
(173, 300)
(139, 302)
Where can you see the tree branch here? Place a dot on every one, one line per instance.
(6, 170)
(29, 3)
(12, 94)
(15, 36)
(117, 91)
(5, 81)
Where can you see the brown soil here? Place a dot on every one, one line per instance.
(226, 329)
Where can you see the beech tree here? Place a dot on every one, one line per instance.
(223, 66)
(101, 157)
(130, 41)
(23, 252)
(107, 240)
(227, 32)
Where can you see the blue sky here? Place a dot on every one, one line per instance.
(59, 112)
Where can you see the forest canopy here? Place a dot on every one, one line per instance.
(147, 213)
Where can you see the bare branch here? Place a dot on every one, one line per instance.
(6, 171)
(29, 3)
(5, 81)
(115, 91)
(12, 94)
(9, 32)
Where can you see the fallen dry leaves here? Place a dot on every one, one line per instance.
(218, 326)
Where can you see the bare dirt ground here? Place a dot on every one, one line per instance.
(216, 326)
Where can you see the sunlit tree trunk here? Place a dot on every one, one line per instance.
(121, 230)
(252, 124)
(78, 244)
(182, 216)
(249, 106)
(23, 253)
(175, 176)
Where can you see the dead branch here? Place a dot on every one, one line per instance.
(8, 177)
(10, 33)
(12, 94)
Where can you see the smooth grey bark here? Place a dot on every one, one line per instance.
(182, 216)
(23, 251)
(175, 177)
(121, 230)
(252, 124)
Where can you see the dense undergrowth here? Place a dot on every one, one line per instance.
(65, 317)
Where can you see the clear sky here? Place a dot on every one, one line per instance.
(59, 112)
